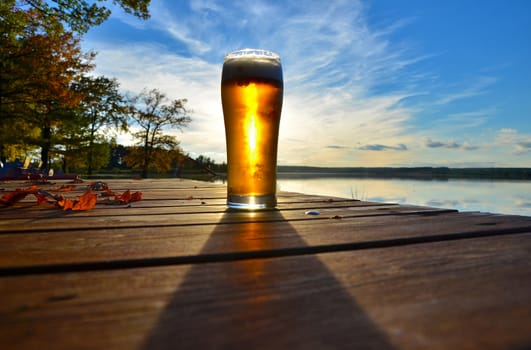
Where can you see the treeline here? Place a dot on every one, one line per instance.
(428, 173)
(180, 165)
(53, 108)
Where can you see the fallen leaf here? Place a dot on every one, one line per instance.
(42, 198)
(127, 197)
(87, 201)
(17, 195)
(107, 193)
(11, 198)
(124, 197)
(65, 203)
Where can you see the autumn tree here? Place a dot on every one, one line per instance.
(164, 158)
(40, 58)
(38, 67)
(154, 113)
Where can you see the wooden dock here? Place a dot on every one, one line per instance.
(177, 270)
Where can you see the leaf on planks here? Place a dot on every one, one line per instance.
(86, 201)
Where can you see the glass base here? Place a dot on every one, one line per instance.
(268, 201)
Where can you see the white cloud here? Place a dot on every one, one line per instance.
(520, 143)
(331, 60)
(151, 66)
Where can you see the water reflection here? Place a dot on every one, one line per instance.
(504, 197)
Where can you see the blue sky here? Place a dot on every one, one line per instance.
(367, 83)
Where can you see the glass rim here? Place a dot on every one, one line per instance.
(252, 53)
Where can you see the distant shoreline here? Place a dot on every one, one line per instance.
(422, 173)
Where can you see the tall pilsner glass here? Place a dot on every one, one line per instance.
(251, 95)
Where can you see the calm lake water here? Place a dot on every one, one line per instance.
(503, 197)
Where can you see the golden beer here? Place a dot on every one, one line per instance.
(251, 95)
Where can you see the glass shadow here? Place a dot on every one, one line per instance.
(262, 303)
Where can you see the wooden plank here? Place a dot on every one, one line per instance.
(101, 217)
(237, 235)
(171, 207)
(445, 295)
(115, 183)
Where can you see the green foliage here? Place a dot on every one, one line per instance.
(102, 107)
(46, 99)
(80, 15)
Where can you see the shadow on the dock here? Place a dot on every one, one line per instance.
(261, 303)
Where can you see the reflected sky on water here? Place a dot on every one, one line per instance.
(504, 197)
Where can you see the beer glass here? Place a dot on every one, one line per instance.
(251, 95)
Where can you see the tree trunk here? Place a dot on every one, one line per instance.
(145, 168)
(146, 155)
(46, 145)
(3, 157)
(90, 157)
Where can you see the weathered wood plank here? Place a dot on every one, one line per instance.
(101, 218)
(114, 183)
(182, 243)
(160, 207)
(445, 295)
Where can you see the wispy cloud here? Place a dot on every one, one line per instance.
(328, 79)
(347, 83)
(449, 145)
(479, 86)
(153, 66)
(378, 147)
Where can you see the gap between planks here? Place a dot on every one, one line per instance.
(255, 254)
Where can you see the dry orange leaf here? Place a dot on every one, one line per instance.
(13, 197)
(65, 203)
(42, 197)
(108, 193)
(17, 195)
(127, 197)
(87, 201)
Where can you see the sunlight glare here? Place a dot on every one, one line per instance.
(251, 125)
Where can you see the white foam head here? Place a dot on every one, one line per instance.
(252, 63)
